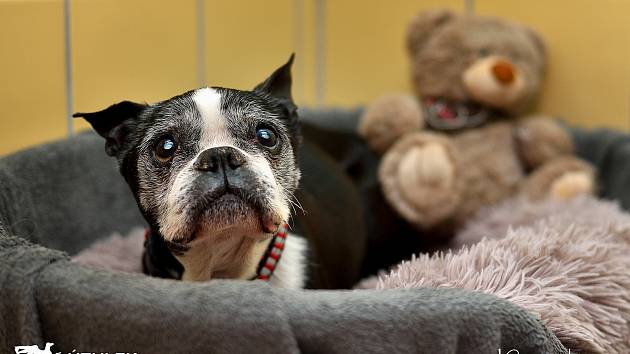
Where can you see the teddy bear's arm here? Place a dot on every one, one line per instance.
(547, 149)
(540, 140)
(388, 118)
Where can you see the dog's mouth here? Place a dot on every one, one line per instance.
(444, 114)
(230, 208)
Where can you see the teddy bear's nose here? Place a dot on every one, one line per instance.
(503, 71)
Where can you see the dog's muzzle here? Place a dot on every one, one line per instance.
(225, 183)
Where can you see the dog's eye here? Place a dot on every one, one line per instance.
(165, 149)
(266, 137)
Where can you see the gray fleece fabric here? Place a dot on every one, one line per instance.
(47, 298)
(58, 198)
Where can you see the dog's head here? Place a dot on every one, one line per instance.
(211, 161)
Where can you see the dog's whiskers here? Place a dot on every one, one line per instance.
(294, 202)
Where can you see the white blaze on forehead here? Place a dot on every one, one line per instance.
(214, 130)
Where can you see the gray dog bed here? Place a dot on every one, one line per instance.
(57, 199)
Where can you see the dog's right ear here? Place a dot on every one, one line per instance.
(114, 123)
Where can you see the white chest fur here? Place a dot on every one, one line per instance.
(290, 272)
(206, 260)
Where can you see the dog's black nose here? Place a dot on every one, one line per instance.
(219, 158)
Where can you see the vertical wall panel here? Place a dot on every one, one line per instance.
(365, 53)
(307, 80)
(140, 50)
(31, 67)
(247, 40)
(588, 81)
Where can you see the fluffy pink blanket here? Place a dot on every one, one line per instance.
(115, 253)
(566, 262)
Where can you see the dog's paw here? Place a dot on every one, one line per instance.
(419, 178)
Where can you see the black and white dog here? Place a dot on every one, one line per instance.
(215, 173)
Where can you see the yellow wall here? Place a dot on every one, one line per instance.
(32, 96)
(131, 50)
(147, 50)
(365, 54)
(588, 81)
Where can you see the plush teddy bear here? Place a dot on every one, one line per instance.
(462, 141)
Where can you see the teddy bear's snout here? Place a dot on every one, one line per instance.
(503, 71)
(494, 81)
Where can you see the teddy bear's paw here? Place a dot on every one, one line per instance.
(419, 176)
(562, 179)
(571, 184)
(388, 118)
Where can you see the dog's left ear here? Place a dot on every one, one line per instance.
(114, 123)
(278, 85)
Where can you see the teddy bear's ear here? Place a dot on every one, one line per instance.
(538, 42)
(423, 25)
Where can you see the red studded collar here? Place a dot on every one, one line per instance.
(270, 259)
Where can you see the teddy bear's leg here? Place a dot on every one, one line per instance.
(419, 178)
(561, 178)
(388, 118)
